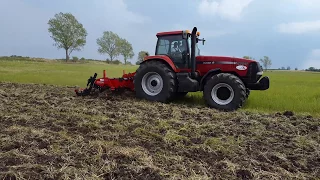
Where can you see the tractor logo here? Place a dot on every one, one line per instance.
(241, 67)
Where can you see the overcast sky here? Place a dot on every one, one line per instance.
(288, 31)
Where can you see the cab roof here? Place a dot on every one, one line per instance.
(166, 33)
(169, 33)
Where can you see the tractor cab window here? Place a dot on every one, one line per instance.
(163, 47)
(197, 48)
(175, 47)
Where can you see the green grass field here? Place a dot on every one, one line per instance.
(290, 90)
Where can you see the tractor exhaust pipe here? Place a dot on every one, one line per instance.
(193, 52)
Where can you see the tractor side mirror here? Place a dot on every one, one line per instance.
(203, 40)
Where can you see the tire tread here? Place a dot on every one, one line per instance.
(230, 78)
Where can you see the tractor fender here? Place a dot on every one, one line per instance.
(208, 74)
(162, 58)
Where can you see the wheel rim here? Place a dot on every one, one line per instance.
(222, 93)
(152, 83)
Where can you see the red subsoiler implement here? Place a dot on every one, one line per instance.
(104, 83)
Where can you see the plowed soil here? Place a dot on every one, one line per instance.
(48, 133)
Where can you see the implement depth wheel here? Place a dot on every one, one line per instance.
(155, 81)
(224, 92)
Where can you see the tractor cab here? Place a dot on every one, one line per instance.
(177, 46)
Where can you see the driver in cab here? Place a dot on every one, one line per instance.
(175, 47)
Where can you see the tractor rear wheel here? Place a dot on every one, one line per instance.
(155, 81)
(224, 92)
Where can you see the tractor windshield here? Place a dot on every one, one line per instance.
(197, 48)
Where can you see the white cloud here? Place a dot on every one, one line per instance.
(299, 27)
(230, 9)
(117, 10)
(305, 4)
(313, 59)
(306, 9)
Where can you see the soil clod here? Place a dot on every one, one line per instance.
(288, 113)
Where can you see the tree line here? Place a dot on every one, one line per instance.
(69, 34)
(287, 68)
(266, 63)
(313, 69)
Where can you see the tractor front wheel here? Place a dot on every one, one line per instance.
(155, 81)
(224, 92)
(247, 93)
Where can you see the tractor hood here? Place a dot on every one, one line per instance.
(222, 59)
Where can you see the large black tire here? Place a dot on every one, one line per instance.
(232, 93)
(247, 93)
(151, 88)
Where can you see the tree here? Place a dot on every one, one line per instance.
(67, 33)
(110, 44)
(141, 56)
(248, 57)
(288, 68)
(312, 68)
(296, 69)
(266, 62)
(125, 49)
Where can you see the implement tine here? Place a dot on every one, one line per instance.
(89, 81)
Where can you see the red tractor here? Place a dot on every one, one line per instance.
(178, 68)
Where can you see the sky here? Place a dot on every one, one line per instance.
(287, 31)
